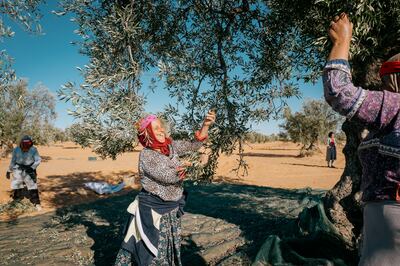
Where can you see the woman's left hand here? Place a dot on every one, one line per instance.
(209, 119)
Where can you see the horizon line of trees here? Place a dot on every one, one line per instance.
(27, 112)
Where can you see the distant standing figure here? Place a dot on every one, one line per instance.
(25, 159)
(331, 149)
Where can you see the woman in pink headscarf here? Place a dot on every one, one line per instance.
(152, 235)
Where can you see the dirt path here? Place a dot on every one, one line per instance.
(226, 222)
(66, 167)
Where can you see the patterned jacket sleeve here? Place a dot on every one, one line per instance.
(374, 108)
(182, 147)
(158, 167)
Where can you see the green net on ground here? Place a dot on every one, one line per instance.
(314, 241)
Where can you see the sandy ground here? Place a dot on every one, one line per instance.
(66, 167)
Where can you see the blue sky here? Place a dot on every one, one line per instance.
(50, 59)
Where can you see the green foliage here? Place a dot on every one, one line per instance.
(25, 112)
(208, 54)
(77, 136)
(60, 135)
(282, 136)
(242, 58)
(312, 124)
(340, 137)
(375, 35)
(255, 137)
(108, 103)
(26, 14)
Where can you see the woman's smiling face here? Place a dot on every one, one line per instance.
(158, 130)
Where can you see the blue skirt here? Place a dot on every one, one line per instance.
(169, 245)
(331, 153)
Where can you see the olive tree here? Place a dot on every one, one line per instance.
(34, 116)
(24, 13)
(375, 39)
(311, 124)
(207, 54)
(243, 58)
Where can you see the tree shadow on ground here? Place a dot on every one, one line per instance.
(229, 180)
(278, 149)
(71, 148)
(269, 155)
(311, 165)
(45, 159)
(64, 190)
(190, 254)
(104, 220)
(257, 211)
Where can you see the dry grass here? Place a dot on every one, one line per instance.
(16, 208)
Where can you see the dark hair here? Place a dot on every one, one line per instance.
(330, 134)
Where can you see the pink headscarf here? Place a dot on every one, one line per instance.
(143, 123)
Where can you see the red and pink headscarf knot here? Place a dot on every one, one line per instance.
(143, 130)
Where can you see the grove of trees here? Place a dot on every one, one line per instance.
(311, 124)
(256, 137)
(24, 111)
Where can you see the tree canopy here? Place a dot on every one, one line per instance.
(34, 115)
(311, 124)
(242, 58)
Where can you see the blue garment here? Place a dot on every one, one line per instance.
(29, 158)
(143, 250)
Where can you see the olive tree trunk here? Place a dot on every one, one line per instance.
(343, 202)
